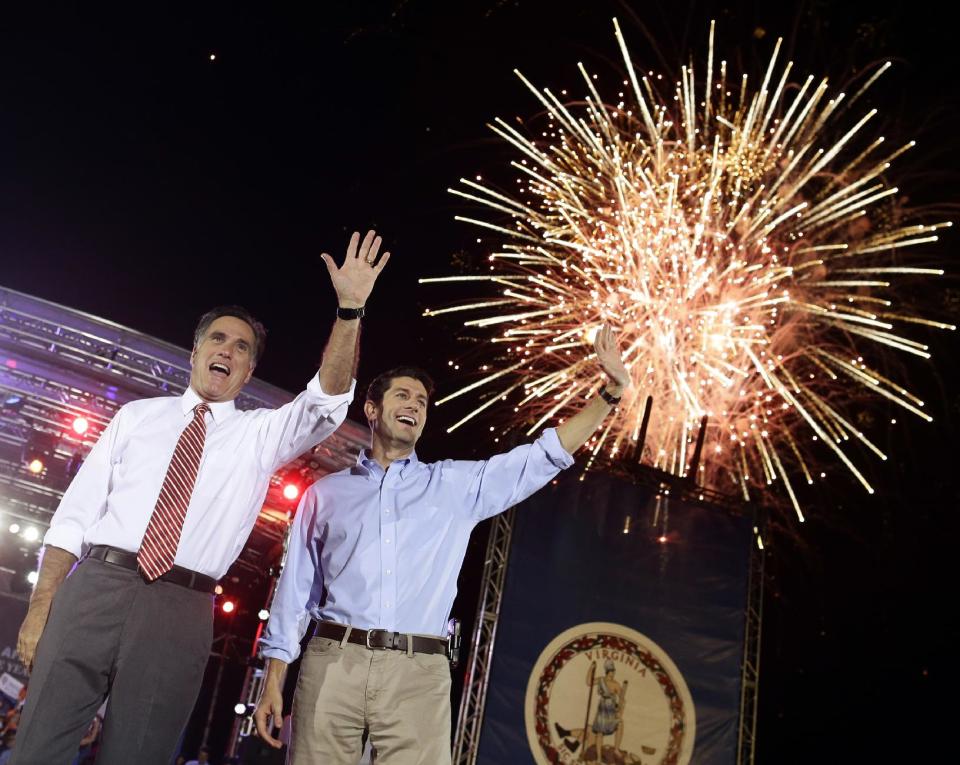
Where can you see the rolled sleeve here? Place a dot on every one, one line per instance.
(326, 404)
(553, 449)
(303, 423)
(67, 536)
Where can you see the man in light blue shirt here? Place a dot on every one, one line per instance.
(374, 557)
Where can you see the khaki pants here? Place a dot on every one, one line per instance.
(403, 700)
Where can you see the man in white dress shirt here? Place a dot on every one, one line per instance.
(158, 512)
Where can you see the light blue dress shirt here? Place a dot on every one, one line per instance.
(388, 545)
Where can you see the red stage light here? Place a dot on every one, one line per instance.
(80, 425)
(228, 606)
(291, 491)
(35, 466)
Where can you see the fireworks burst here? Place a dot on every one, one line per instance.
(735, 238)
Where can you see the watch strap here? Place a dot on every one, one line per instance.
(609, 397)
(349, 314)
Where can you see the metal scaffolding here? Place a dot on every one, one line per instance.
(750, 667)
(255, 678)
(474, 697)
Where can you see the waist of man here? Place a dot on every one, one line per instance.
(193, 580)
(383, 640)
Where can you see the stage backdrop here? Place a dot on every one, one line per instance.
(622, 625)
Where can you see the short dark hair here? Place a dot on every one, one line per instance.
(238, 312)
(382, 382)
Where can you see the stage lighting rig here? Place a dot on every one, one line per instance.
(39, 450)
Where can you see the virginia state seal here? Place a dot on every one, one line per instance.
(604, 693)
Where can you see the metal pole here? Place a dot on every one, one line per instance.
(254, 677)
(227, 641)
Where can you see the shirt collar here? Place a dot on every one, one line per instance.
(406, 465)
(219, 410)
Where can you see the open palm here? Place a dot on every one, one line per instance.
(354, 280)
(608, 354)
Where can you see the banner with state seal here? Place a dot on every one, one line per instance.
(621, 630)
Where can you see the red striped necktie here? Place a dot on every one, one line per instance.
(160, 540)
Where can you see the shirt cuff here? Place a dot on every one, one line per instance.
(66, 538)
(278, 652)
(274, 649)
(329, 403)
(550, 442)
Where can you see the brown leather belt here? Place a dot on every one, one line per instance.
(177, 575)
(382, 639)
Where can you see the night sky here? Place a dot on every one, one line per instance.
(158, 159)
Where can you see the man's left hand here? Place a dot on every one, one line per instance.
(354, 280)
(608, 354)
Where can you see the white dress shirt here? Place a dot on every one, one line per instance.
(382, 549)
(112, 497)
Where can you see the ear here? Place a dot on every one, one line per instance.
(369, 410)
(193, 355)
(249, 375)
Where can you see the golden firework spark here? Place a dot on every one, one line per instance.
(734, 236)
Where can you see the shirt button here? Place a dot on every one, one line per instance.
(389, 572)
(386, 541)
(386, 605)
(387, 511)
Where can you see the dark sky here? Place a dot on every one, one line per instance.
(143, 182)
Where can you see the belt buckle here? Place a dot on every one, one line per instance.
(374, 647)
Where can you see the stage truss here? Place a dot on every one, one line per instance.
(475, 685)
(466, 741)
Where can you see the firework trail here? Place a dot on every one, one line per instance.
(735, 236)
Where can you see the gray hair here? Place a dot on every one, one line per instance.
(238, 312)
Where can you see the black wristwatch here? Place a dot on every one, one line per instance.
(348, 314)
(609, 397)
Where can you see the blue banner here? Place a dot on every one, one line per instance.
(621, 630)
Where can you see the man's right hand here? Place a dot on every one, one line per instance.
(30, 632)
(55, 564)
(269, 714)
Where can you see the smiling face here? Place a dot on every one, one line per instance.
(398, 420)
(222, 361)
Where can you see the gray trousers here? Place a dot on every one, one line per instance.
(111, 633)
